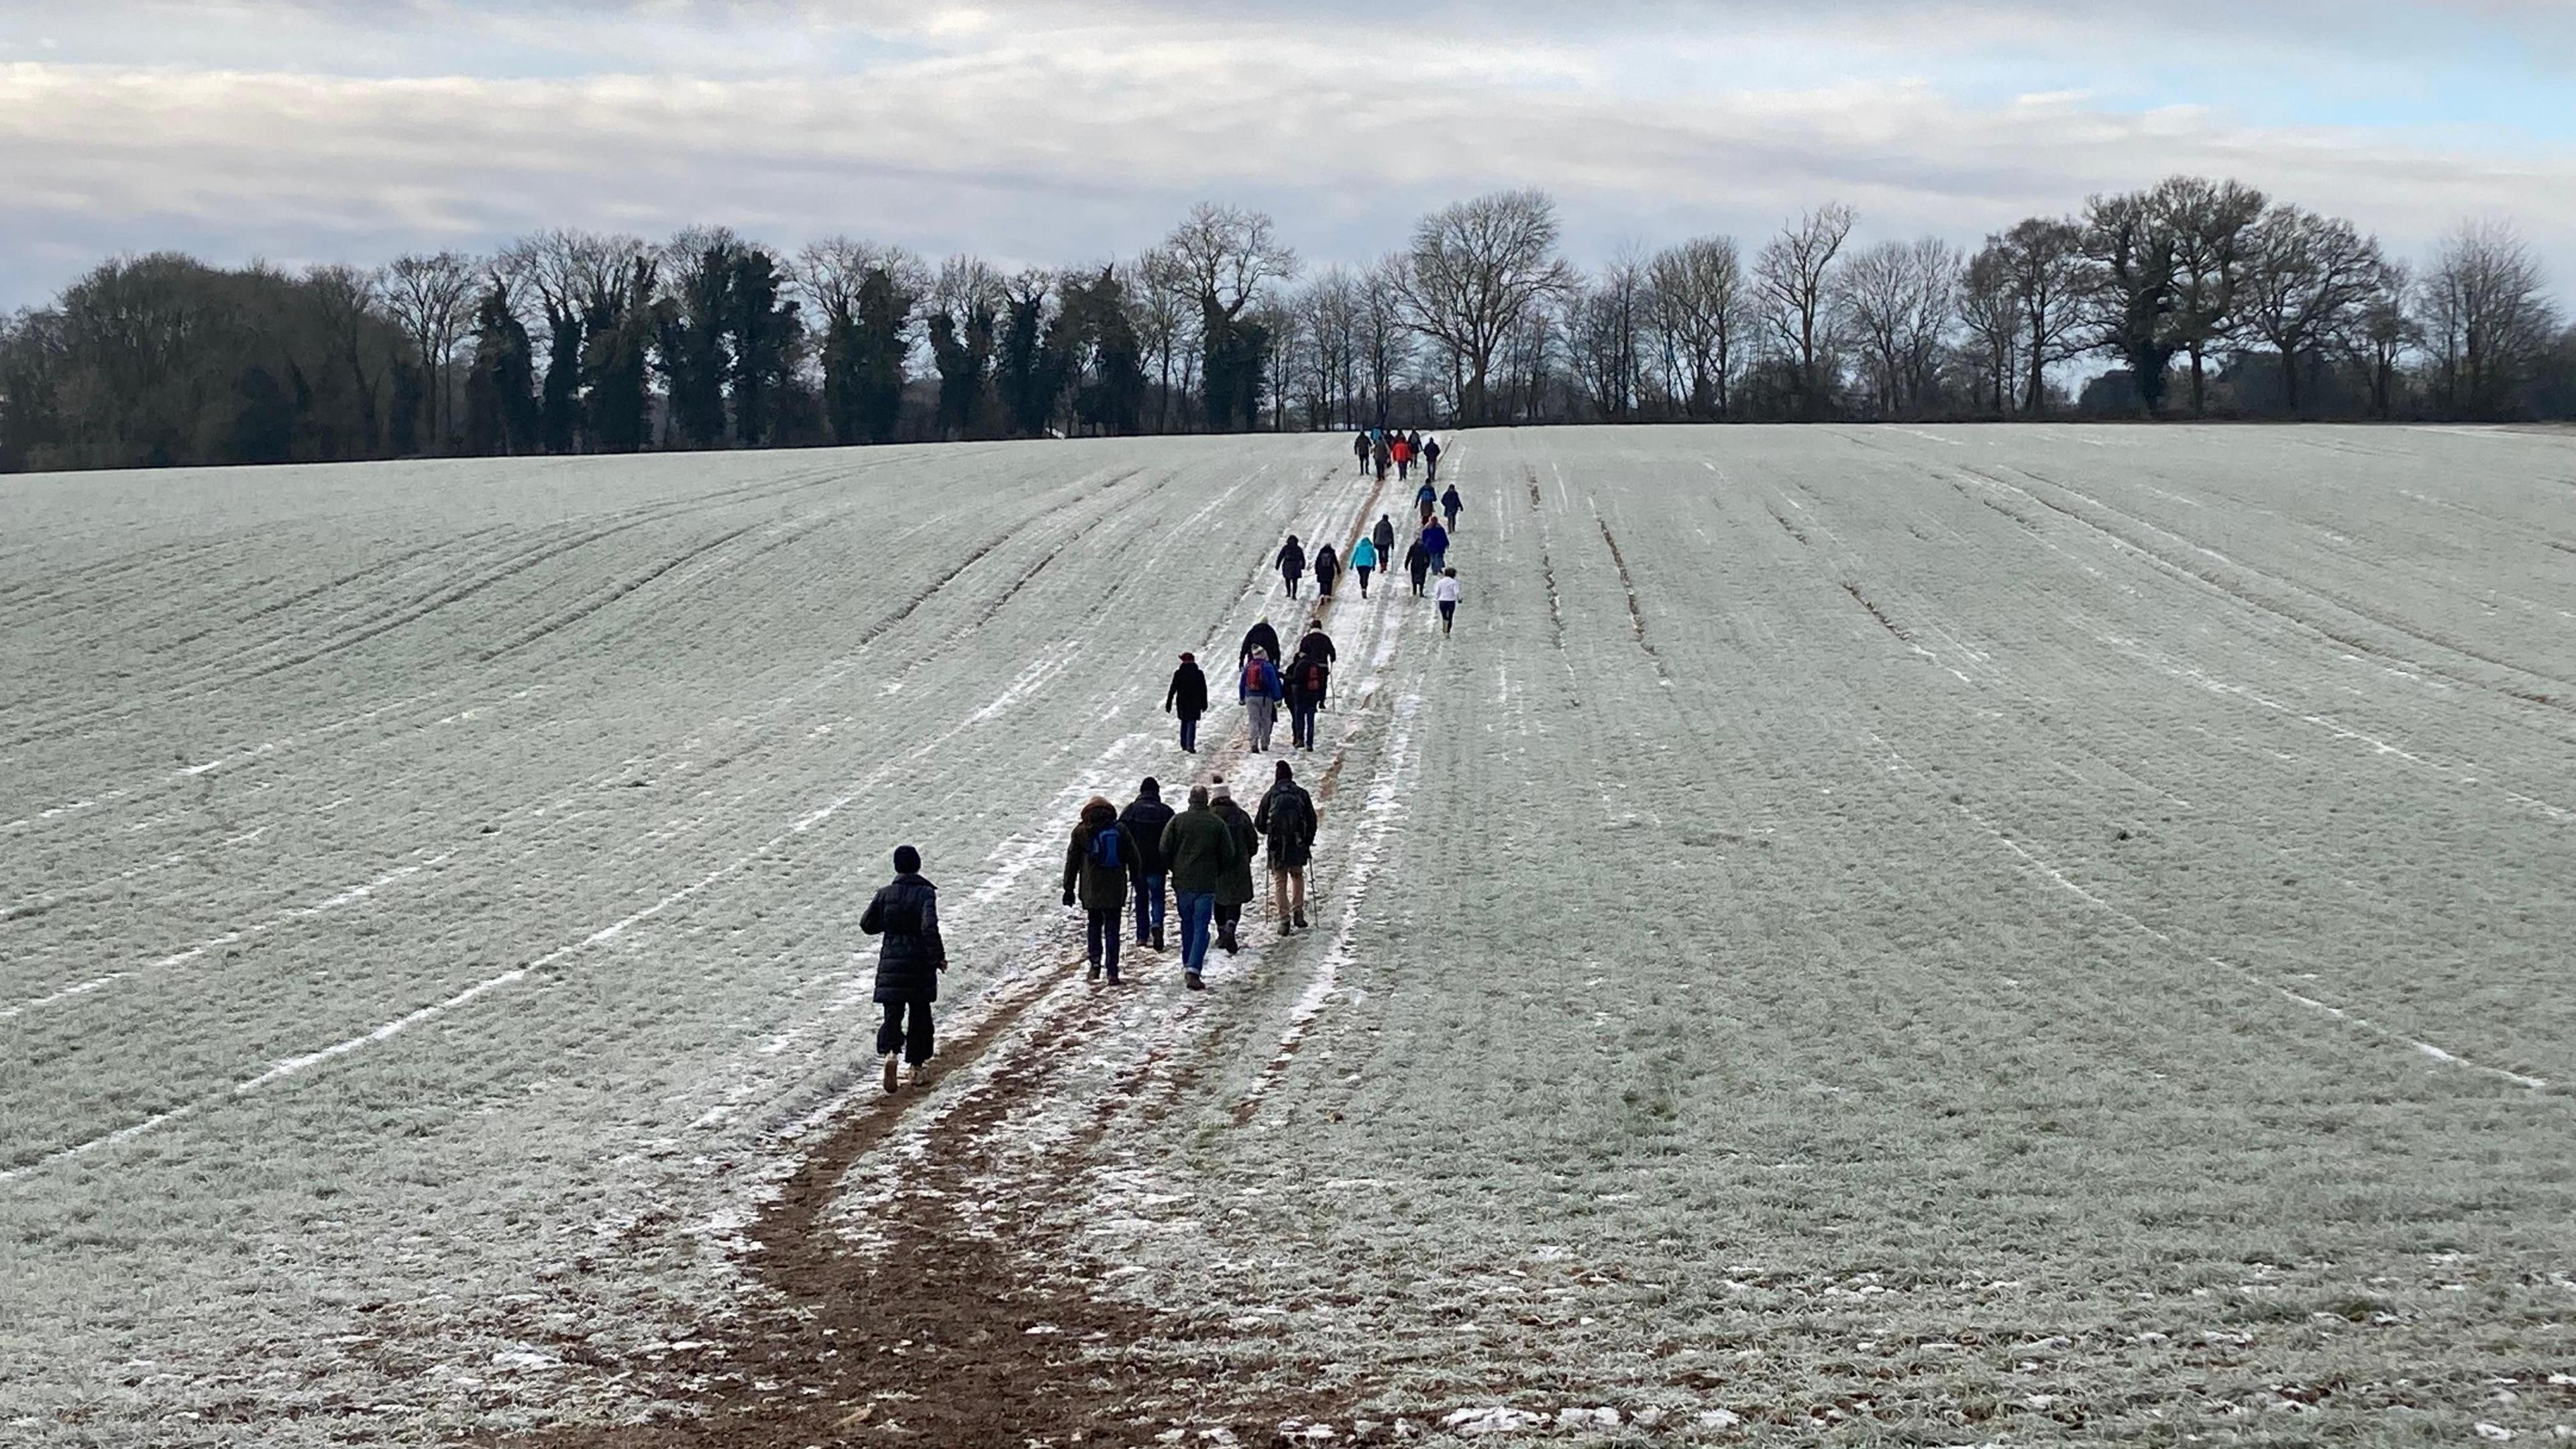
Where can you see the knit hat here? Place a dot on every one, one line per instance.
(1152, 787)
(1222, 790)
(1284, 772)
(906, 860)
(1188, 658)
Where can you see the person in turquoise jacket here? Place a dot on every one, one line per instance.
(1363, 560)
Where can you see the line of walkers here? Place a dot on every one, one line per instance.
(1203, 854)
(1381, 449)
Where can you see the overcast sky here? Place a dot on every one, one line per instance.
(1077, 130)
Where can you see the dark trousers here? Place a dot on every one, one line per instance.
(1100, 938)
(1149, 907)
(1418, 577)
(1363, 572)
(1227, 919)
(1190, 734)
(893, 1036)
(1301, 725)
(1290, 578)
(1452, 515)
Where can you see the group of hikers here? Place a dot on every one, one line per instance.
(1204, 853)
(1382, 449)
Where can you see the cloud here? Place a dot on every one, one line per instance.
(1077, 131)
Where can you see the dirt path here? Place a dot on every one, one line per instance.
(977, 1320)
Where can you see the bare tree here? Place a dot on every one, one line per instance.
(2038, 261)
(1603, 328)
(1895, 300)
(1698, 307)
(430, 296)
(1792, 280)
(831, 271)
(1329, 311)
(1163, 301)
(2485, 320)
(346, 300)
(2387, 330)
(1229, 254)
(1384, 344)
(1990, 309)
(2130, 255)
(2310, 278)
(1477, 271)
(2209, 222)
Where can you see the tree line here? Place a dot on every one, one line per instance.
(2193, 296)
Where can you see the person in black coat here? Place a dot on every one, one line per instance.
(1309, 677)
(1144, 819)
(1317, 642)
(1360, 449)
(1292, 564)
(1259, 637)
(1187, 699)
(1430, 460)
(909, 960)
(1328, 567)
(1450, 503)
(1417, 561)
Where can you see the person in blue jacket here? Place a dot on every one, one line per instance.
(1436, 539)
(1364, 561)
(1426, 498)
(1260, 691)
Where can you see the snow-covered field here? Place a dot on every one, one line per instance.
(1863, 935)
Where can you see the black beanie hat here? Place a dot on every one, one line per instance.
(1284, 772)
(906, 860)
(1151, 787)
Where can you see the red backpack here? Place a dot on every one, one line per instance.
(1254, 681)
(1313, 677)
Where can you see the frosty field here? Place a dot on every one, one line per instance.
(1863, 935)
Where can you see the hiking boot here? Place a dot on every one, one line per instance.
(1158, 940)
(1113, 978)
(1193, 982)
(1301, 920)
(892, 1064)
(920, 1075)
(1094, 973)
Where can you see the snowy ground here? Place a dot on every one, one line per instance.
(1947, 935)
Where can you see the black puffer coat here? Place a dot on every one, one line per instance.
(909, 960)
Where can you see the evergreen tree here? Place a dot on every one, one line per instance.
(501, 413)
(765, 333)
(689, 329)
(1019, 370)
(616, 355)
(561, 401)
(883, 338)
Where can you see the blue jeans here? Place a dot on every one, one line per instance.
(1149, 907)
(1198, 912)
(1190, 734)
(1439, 561)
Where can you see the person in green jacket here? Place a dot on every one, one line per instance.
(1234, 890)
(1198, 850)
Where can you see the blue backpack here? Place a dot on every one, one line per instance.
(1105, 850)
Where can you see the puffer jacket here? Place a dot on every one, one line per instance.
(910, 958)
(1097, 887)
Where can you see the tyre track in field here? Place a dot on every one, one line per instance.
(622, 859)
(383, 618)
(983, 1286)
(2304, 620)
(495, 833)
